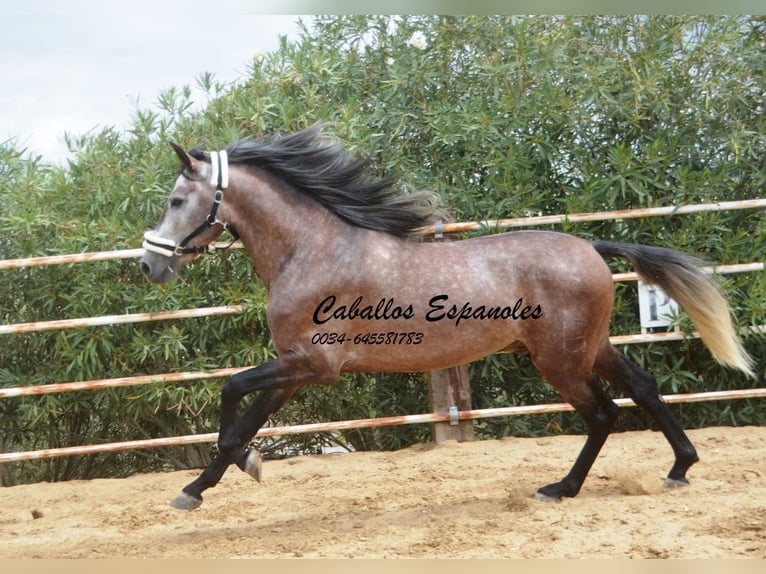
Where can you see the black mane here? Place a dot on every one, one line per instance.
(322, 169)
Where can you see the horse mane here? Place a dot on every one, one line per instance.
(321, 169)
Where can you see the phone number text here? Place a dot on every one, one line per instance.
(390, 338)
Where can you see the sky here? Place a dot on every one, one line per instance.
(80, 65)
(75, 67)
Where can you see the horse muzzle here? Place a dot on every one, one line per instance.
(159, 268)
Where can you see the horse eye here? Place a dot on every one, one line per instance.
(176, 202)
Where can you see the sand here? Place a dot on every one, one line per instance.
(450, 500)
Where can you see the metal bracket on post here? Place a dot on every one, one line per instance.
(449, 393)
(438, 229)
(454, 417)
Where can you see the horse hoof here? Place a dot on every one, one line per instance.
(185, 502)
(253, 464)
(545, 498)
(676, 482)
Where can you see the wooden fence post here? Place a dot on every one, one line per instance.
(449, 390)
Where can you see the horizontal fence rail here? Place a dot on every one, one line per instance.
(22, 263)
(362, 423)
(597, 216)
(107, 320)
(184, 377)
(25, 262)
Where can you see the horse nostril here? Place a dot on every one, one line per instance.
(145, 269)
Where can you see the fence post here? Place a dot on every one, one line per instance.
(450, 389)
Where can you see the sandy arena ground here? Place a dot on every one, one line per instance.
(431, 501)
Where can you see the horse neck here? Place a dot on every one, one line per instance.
(274, 220)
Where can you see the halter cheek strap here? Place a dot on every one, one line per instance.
(219, 179)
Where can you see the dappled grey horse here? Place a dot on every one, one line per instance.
(350, 291)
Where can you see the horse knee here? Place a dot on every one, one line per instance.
(605, 416)
(603, 412)
(233, 390)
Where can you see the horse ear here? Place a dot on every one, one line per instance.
(185, 158)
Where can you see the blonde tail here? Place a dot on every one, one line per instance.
(680, 277)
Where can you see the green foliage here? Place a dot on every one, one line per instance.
(503, 116)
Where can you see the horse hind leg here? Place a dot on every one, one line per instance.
(600, 413)
(642, 388)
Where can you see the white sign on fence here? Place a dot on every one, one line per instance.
(656, 308)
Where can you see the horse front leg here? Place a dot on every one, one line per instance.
(266, 403)
(276, 380)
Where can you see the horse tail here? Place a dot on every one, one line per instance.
(679, 275)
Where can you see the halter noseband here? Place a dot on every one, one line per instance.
(219, 178)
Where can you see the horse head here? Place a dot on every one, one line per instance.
(190, 221)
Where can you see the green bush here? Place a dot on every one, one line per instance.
(502, 116)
